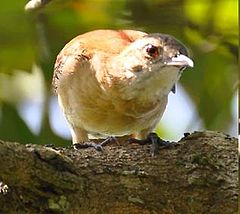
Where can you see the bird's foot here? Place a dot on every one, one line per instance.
(156, 143)
(96, 146)
(88, 144)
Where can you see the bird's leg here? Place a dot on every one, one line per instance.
(81, 141)
(156, 142)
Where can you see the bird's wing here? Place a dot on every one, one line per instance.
(70, 57)
(81, 49)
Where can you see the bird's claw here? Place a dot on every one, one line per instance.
(108, 140)
(156, 143)
(85, 145)
(96, 146)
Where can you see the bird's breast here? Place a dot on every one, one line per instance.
(88, 105)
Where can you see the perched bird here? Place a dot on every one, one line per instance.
(116, 82)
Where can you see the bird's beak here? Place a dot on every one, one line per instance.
(180, 61)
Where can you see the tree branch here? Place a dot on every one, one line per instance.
(199, 175)
(33, 5)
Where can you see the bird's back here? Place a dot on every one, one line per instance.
(111, 41)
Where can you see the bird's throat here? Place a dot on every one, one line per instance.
(153, 85)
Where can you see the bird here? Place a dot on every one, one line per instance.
(117, 82)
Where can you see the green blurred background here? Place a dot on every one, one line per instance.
(30, 41)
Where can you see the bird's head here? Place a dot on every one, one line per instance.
(154, 61)
(154, 52)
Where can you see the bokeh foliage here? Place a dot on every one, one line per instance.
(208, 27)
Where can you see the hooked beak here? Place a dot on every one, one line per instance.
(181, 61)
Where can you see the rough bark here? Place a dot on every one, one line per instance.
(199, 175)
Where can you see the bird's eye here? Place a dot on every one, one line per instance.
(152, 51)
